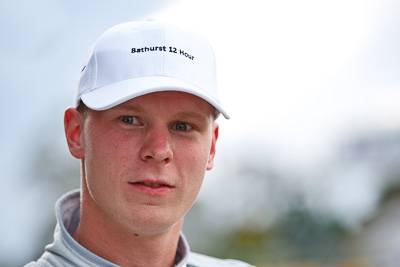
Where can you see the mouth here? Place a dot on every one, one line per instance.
(153, 188)
(153, 185)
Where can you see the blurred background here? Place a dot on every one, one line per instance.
(308, 167)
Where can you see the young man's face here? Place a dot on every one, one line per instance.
(144, 160)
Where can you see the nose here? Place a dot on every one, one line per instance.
(156, 146)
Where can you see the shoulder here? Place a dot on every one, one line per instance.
(49, 259)
(199, 260)
(38, 263)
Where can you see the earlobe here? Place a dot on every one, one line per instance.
(211, 156)
(73, 124)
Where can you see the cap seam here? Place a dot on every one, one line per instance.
(99, 42)
(163, 41)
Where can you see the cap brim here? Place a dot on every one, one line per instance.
(114, 94)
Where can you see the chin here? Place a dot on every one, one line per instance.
(154, 224)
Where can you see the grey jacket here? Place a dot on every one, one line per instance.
(66, 252)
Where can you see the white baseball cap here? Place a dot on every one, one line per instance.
(137, 58)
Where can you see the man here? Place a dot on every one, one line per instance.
(144, 129)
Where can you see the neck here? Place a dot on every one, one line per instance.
(122, 247)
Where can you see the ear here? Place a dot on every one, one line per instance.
(73, 126)
(210, 162)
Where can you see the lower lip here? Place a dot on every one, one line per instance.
(153, 191)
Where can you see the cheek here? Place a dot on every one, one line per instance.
(195, 160)
(196, 155)
(102, 162)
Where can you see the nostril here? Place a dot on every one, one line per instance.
(150, 158)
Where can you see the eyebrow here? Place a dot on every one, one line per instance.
(191, 115)
(181, 114)
(135, 108)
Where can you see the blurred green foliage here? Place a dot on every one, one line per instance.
(297, 237)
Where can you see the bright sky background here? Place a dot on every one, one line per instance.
(295, 76)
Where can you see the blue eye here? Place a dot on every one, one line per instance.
(129, 119)
(182, 126)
